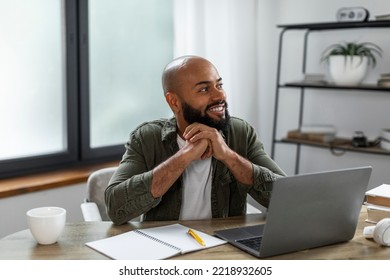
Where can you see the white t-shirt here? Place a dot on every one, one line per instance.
(197, 177)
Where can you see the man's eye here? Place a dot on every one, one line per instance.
(220, 86)
(205, 89)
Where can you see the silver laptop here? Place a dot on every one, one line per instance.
(306, 211)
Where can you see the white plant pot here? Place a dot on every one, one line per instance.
(347, 70)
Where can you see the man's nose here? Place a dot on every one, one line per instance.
(218, 94)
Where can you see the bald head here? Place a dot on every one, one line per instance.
(174, 71)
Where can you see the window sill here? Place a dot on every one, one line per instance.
(49, 180)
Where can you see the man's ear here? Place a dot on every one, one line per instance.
(173, 101)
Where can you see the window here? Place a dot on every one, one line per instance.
(77, 76)
(129, 44)
(32, 86)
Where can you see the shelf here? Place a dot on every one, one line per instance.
(337, 145)
(372, 87)
(337, 25)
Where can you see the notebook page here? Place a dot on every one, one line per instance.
(178, 236)
(133, 246)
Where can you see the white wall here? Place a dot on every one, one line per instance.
(349, 111)
(13, 209)
(267, 46)
(241, 38)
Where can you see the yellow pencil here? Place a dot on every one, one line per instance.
(196, 237)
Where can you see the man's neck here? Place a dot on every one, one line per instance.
(181, 127)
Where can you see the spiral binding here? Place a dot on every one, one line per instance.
(157, 240)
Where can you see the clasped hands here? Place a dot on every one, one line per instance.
(203, 142)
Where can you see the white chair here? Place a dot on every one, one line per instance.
(253, 207)
(93, 208)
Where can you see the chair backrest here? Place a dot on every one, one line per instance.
(96, 186)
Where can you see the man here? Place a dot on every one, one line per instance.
(200, 164)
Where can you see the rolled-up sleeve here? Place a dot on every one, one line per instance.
(265, 170)
(131, 198)
(128, 193)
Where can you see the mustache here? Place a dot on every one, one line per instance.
(224, 103)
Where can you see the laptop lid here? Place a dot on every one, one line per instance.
(309, 210)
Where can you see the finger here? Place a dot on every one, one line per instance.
(202, 135)
(194, 129)
(190, 131)
(208, 153)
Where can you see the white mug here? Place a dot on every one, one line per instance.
(46, 223)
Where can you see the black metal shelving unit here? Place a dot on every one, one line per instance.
(309, 28)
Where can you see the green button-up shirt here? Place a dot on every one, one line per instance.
(128, 193)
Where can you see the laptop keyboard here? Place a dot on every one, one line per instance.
(253, 242)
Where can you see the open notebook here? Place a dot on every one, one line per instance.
(153, 243)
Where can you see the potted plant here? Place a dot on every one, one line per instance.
(349, 61)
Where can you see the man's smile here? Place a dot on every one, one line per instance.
(217, 109)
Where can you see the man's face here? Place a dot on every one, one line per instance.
(201, 95)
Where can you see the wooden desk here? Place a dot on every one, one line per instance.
(71, 244)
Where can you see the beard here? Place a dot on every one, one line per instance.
(192, 115)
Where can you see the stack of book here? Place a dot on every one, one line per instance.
(317, 133)
(378, 203)
(384, 80)
(314, 79)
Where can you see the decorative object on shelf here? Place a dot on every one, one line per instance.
(349, 61)
(352, 14)
(359, 139)
(384, 80)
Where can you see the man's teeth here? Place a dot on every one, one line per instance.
(216, 109)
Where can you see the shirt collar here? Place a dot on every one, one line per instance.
(169, 129)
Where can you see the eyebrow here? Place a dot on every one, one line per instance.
(206, 82)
